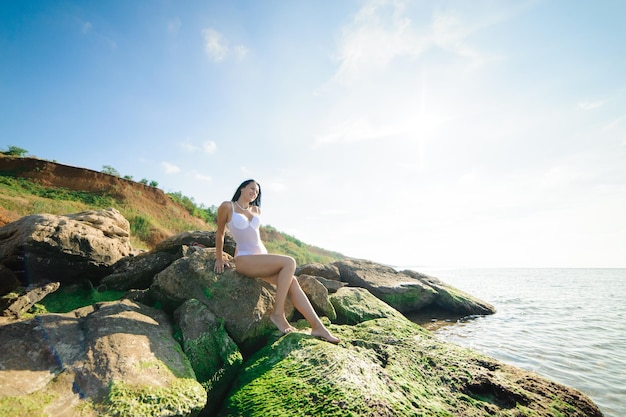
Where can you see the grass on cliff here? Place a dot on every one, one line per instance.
(24, 197)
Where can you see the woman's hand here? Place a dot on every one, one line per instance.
(220, 266)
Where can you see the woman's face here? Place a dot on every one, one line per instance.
(250, 191)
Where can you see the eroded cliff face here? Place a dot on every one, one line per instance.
(53, 174)
(149, 201)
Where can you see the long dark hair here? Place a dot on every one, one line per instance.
(256, 201)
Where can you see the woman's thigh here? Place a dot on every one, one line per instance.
(266, 265)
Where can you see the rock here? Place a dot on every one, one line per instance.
(207, 239)
(400, 291)
(8, 280)
(328, 271)
(43, 247)
(115, 358)
(452, 299)
(137, 272)
(331, 285)
(214, 356)
(327, 275)
(356, 305)
(318, 296)
(19, 304)
(391, 367)
(410, 291)
(243, 303)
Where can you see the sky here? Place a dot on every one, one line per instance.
(446, 133)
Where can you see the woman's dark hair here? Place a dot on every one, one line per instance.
(257, 200)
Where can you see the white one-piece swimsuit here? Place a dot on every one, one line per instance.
(246, 233)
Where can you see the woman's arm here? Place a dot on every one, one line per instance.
(223, 212)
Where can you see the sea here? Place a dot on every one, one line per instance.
(568, 325)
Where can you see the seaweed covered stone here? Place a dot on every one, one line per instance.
(391, 367)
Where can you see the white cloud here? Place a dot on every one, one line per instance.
(218, 48)
(386, 31)
(209, 147)
(170, 168)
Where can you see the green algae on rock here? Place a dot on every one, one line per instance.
(184, 397)
(356, 305)
(391, 367)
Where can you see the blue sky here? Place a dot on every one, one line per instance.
(413, 133)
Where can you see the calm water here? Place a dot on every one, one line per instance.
(568, 325)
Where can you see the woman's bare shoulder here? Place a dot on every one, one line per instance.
(224, 207)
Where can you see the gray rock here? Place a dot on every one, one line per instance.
(318, 296)
(356, 305)
(116, 358)
(214, 356)
(8, 280)
(328, 271)
(410, 291)
(452, 299)
(22, 301)
(207, 239)
(137, 272)
(331, 285)
(243, 303)
(400, 291)
(391, 367)
(85, 245)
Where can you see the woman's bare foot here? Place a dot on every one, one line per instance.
(282, 324)
(323, 333)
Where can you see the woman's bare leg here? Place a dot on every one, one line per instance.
(277, 270)
(303, 305)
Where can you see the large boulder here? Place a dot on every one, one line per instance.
(115, 358)
(391, 367)
(214, 356)
(245, 304)
(356, 305)
(452, 299)
(8, 280)
(45, 247)
(318, 296)
(194, 237)
(410, 291)
(400, 291)
(328, 271)
(138, 271)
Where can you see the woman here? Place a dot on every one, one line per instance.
(241, 215)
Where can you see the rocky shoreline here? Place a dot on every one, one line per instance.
(182, 341)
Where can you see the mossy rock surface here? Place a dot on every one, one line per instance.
(355, 305)
(390, 367)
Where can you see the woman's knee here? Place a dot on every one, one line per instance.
(289, 262)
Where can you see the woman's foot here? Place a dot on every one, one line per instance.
(324, 334)
(282, 324)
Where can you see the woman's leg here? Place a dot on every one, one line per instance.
(303, 305)
(277, 270)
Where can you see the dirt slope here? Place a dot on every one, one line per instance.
(148, 200)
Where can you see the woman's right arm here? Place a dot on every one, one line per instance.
(222, 218)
